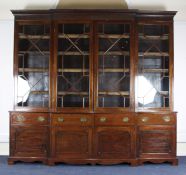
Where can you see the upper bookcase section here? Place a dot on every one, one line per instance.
(93, 60)
(91, 14)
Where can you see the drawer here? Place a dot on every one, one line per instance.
(114, 119)
(30, 118)
(156, 119)
(72, 119)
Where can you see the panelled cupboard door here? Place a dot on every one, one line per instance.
(113, 88)
(29, 141)
(156, 141)
(32, 65)
(73, 142)
(115, 142)
(74, 66)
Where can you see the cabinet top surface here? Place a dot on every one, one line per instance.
(135, 12)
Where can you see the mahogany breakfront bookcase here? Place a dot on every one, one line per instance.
(93, 87)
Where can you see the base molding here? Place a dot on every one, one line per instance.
(13, 160)
(173, 161)
(132, 162)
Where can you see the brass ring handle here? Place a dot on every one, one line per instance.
(166, 118)
(60, 119)
(125, 119)
(20, 118)
(83, 119)
(102, 119)
(41, 119)
(144, 119)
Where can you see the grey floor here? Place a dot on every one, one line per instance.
(63, 169)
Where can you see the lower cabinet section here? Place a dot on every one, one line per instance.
(29, 137)
(157, 143)
(92, 138)
(156, 138)
(71, 137)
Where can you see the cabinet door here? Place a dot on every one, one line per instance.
(115, 142)
(74, 66)
(29, 141)
(155, 59)
(32, 60)
(71, 142)
(113, 66)
(156, 141)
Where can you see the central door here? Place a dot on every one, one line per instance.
(113, 66)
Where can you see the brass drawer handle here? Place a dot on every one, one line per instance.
(102, 119)
(144, 119)
(20, 118)
(125, 119)
(41, 119)
(166, 118)
(83, 119)
(60, 119)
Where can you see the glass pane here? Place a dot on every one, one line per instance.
(153, 66)
(33, 65)
(73, 65)
(114, 65)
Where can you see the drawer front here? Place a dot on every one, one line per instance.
(72, 119)
(114, 119)
(30, 118)
(156, 119)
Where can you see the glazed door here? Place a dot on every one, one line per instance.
(32, 60)
(73, 142)
(74, 62)
(155, 53)
(113, 66)
(115, 142)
